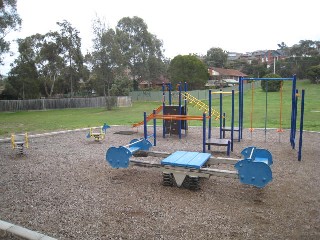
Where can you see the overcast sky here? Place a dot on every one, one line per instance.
(184, 26)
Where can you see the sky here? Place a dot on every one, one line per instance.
(184, 26)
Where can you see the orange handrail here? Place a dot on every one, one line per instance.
(178, 117)
(149, 117)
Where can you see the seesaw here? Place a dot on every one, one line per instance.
(183, 168)
(19, 142)
(98, 135)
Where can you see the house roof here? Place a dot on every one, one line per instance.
(228, 72)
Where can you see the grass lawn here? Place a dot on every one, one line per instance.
(51, 120)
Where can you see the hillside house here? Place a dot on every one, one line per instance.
(222, 73)
(154, 83)
(221, 77)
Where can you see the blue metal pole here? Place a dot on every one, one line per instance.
(185, 107)
(224, 124)
(293, 103)
(210, 114)
(170, 97)
(220, 129)
(232, 120)
(295, 120)
(145, 133)
(301, 126)
(179, 121)
(163, 107)
(163, 121)
(154, 129)
(239, 125)
(204, 133)
(266, 114)
(163, 92)
(240, 106)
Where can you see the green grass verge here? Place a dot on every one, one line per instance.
(52, 120)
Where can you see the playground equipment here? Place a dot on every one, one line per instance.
(222, 141)
(201, 105)
(118, 157)
(159, 109)
(294, 109)
(175, 124)
(100, 135)
(183, 168)
(19, 142)
(205, 142)
(175, 118)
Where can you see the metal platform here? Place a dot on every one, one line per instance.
(219, 142)
(186, 159)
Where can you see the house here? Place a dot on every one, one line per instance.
(232, 56)
(154, 83)
(222, 73)
(268, 56)
(221, 77)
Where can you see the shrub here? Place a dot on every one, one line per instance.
(271, 85)
(111, 102)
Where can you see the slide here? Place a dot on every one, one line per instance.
(149, 117)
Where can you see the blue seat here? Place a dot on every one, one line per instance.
(186, 159)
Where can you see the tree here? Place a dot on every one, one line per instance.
(273, 85)
(9, 21)
(50, 56)
(314, 74)
(70, 44)
(106, 59)
(139, 48)
(188, 68)
(284, 49)
(23, 81)
(50, 62)
(121, 86)
(216, 57)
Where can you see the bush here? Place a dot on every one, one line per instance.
(111, 102)
(121, 86)
(314, 74)
(273, 85)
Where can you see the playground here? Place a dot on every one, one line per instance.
(63, 187)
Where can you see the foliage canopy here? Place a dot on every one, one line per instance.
(190, 69)
(273, 85)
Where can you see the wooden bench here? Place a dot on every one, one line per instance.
(219, 142)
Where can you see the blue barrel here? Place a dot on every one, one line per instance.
(118, 157)
(255, 168)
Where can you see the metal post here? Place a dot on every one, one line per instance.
(170, 97)
(163, 120)
(266, 113)
(210, 114)
(145, 134)
(301, 126)
(293, 103)
(204, 133)
(163, 107)
(232, 120)
(179, 121)
(185, 107)
(220, 113)
(154, 129)
(240, 106)
(295, 120)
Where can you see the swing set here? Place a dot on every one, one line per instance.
(294, 109)
(280, 129)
